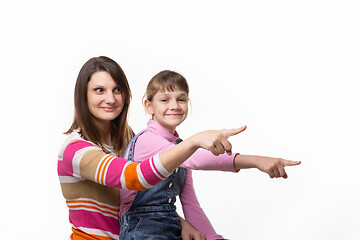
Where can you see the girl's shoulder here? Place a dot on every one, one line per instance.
(151, 141)
(147, 144)
(149, 135)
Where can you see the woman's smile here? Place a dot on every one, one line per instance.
(109, 109)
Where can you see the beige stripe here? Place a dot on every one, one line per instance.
(89, 163)
(92, 190)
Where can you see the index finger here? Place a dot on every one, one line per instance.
(227, 146)
(234, 131)
(291, 163)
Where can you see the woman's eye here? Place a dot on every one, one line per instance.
(117, 90)
(163, 100)
(182, 100)
(98, 90)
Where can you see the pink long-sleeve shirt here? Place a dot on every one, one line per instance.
(156, 140)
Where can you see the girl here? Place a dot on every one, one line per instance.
(89, 169)
(152, 213)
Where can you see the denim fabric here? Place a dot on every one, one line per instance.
(152, 214)
(150, 225)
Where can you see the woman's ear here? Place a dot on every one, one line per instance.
(148, 107)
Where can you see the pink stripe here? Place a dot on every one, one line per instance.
(148, 173)
(83, 218)
(114, 172)
(153, 164)
(65, 167)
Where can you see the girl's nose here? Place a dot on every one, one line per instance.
(174, 105)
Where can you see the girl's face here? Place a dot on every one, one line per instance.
(104, 97)
(169, 109)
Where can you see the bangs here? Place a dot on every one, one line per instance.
(166, 81)
(170, 87)
(172, 82)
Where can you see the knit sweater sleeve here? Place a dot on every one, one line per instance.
(150, 143)
(82, 160)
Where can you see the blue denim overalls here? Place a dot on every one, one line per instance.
(152, 214)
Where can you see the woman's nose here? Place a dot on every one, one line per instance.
(109, 98)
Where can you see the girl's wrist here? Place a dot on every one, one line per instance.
(245, 161)
(235, 161)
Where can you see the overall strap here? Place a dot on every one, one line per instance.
(129, 152)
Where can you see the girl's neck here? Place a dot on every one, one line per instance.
(170, 130)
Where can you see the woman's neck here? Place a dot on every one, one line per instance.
(105, 132)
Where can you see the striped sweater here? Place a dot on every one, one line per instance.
(90, 181)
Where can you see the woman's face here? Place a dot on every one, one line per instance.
(105, 101)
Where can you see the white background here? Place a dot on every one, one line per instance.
(289, 70)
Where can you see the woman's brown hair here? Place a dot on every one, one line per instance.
(84, 120)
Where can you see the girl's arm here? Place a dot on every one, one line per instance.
(188, 232)
(275, 167)
(193, 213)
(82, 160)
(205, 160)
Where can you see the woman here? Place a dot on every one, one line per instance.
(89, 170)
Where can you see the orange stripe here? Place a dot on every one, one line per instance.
(91, 202)
(100, 169)
(103, 172)
(99, 172)
(80, 235)
(131, 178)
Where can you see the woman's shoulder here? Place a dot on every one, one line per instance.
(75, 137)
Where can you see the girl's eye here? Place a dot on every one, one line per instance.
(163, 100)
(182, 100)
(98, 90)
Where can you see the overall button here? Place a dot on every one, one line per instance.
(177, 169)
(169, 201)
(170, 185)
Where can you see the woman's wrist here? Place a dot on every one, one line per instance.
(175, 156)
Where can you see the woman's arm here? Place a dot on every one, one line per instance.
(82, 160)
(151, 143)
(212, 140)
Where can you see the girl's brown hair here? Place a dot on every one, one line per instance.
(166, 81)
(83, 119)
